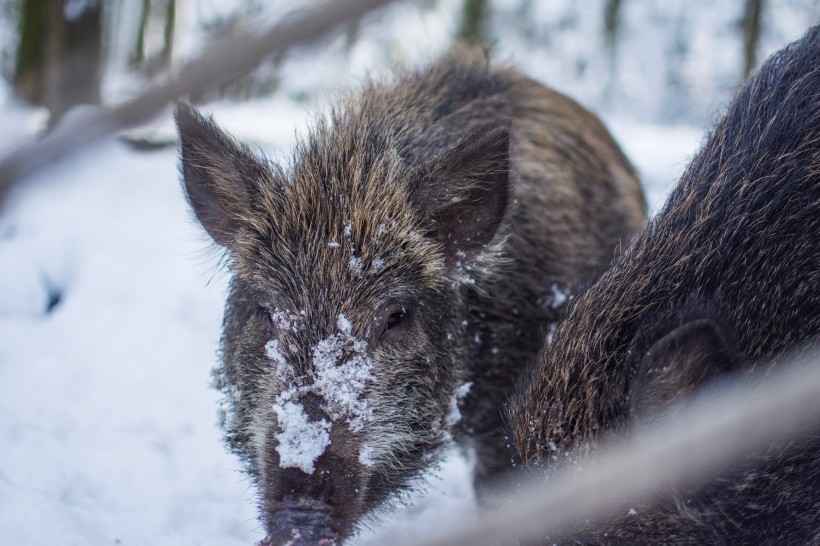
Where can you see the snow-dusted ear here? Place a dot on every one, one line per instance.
(220, 175)
(676, 365)
(466, 190)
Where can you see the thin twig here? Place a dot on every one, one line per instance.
(220, 64)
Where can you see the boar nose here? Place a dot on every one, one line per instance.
(312, 404)
(316, 509)
(302, 523)
(343, 443)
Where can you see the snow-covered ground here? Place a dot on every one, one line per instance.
(110, 308)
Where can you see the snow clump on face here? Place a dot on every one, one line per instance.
(301, 441)
(366, 455)
(285, 321)
(274, 354)
(355, 264)
(341, 370)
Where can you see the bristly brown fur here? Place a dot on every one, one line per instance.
(725, 279)
(461, 198)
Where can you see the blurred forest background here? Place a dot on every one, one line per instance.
(661, 61)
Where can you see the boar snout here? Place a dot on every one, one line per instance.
(317, 508)
(301, 523)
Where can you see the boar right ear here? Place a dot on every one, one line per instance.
(676, 365)
(466, 189)
(221, 176)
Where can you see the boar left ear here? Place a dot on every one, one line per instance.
(221, 176)
(685, 359)
(466, 190)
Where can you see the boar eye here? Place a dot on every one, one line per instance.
(396, 320)
(267, 320)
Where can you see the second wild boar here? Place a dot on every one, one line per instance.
(724, 282)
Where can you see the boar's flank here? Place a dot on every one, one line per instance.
(725, 280)
(391, 284)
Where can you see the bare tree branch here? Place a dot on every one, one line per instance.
(725, 427)
(222, 63)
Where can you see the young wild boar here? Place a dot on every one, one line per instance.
(726, 279)
(390, 283)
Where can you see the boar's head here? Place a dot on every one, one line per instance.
(340, 357)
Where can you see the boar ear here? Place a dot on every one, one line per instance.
(466, 188)
(221, 176)
(676, 365)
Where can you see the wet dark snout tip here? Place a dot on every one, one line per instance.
(301, 523)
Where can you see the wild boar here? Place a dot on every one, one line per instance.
(724, 282)
(389, 284)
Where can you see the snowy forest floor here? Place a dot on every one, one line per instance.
(110, 309)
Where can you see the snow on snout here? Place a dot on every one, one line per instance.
(301, 441)
(341, 371)
(342, 368)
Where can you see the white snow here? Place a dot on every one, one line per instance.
(366, 455)
(344, 325)
(355, 264)
(454, 414)
(559, 298)
(342, 369)
(285, 321)
(550, 333)
(301, 441)
(107, 423)
(272, 351)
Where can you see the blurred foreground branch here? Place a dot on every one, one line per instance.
(220, 64)
(705, 438)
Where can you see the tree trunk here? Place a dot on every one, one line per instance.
(80, 58)
(168, 33)
(751, 34)
(59, 58)
(138, 55)
(29, 74)
(474, 15)
(153, 54)
(611, 22)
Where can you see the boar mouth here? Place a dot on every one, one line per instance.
(301, 523)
